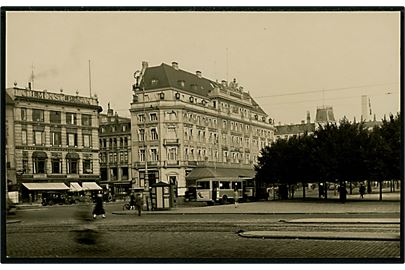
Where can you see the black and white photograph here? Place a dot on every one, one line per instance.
(202, 135)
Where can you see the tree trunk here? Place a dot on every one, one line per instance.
(303, 190)
(369, 187)
(381, 190)
(325, 190)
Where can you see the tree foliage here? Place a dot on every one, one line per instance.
(335, 153)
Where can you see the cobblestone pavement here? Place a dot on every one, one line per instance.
(192, 241)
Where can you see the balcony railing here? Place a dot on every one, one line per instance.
(171, 142)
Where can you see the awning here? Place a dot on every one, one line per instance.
(75, 187)
(208, 172)
(39, 154)
(72, 155)
(91, 186)
(46, 186)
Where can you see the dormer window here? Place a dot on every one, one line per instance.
(154, 82)
(194, 87)
(181, 83)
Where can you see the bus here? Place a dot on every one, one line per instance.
(221, 190)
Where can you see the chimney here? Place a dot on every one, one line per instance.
(109, 111)
(198, 73)
(308, 117)
(224, 83)
(175, 65)
(144, 65)
(302, 122)
(29, 85)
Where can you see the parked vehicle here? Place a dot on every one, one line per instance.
(191, 193)
(51, 198)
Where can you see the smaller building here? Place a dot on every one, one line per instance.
(115, 153)
(288, 131)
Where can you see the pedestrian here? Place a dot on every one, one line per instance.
(343, 193)
(99, 208)
(132, 201)
(362, 190)
(139, 203)
(236, 196)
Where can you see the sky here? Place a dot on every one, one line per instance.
(290, 62)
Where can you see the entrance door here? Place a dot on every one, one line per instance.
(173, 183)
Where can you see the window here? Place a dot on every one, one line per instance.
(154, 82)
(224, 124)
(86, 120)
(25, 165)
(124, 128)
(71, 139)
(86, 140)
(154, 134)
(181, 83)
(23, 114)
(172, 154)
(154, 154)
(56, 138)
(38, 115)
(39, 165)
(39, 138)
(87, 166)
(153, 117)
(72, 166)
(55, 117)
(141, 118)
(142, 155)
(24, 137)
(71, 119)
(203, 184)
(141, 134)
(56, 165)
(224, 185)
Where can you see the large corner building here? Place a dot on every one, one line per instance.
(185, 127)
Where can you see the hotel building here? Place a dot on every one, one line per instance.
(185, 125)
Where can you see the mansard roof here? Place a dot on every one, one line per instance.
(167, 76)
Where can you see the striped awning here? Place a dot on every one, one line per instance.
(91, 186)
(75, 187)
(45, 186)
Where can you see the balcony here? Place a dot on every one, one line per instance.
(171, 163)
(171, 142)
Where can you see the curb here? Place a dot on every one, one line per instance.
(166, 212)
(320, 235)
(13, 221)
(343, 221)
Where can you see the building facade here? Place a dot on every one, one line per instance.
(115, 153)
(181, 121)
(55, 136)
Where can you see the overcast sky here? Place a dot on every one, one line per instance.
(289, 62)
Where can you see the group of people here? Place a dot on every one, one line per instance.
(136, 202)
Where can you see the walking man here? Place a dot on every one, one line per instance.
(139, 203)
(236, 196)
